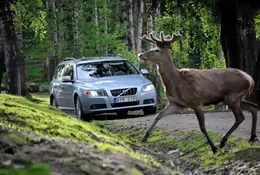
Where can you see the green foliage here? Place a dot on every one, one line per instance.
(30, 169)
(257, 25)
(201, 48)
(69, 29)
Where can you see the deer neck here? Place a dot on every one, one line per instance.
(170, 76)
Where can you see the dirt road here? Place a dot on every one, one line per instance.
(218, 122)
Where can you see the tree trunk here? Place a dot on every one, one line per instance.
(256, 76)
(124, 19)
(106, 26)
(60, 28)
(55, 31)
(2, 66)
(2, 56)
(139, 26)
(238, 36)
(131, 25)
(22, 90)
(9, 43)
(96, 23)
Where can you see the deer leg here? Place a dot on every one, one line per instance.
(252, 108)
(201, 118)
(235, 108)
(169, 109)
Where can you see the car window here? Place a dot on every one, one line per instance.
(68, 71)
(104, 69)
(58, 72)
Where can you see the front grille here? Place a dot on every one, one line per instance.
(116, 92)
(115, 105)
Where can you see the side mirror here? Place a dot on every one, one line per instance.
(66, 79)
(144, 71)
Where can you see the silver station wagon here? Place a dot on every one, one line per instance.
(101, 85)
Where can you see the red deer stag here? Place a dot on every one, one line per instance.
(195, 88)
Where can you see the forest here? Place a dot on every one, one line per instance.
(39, 139)
(49, 29)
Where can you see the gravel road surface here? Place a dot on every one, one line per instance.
(215, 121)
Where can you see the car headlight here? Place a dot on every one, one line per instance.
(94, 93)
(148, 88)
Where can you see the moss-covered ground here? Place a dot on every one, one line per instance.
(192, 152)
(31, 125)
(35, 117)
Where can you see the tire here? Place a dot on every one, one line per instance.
(122, 113)
(149, 110)
(78, 109)
(54, 102)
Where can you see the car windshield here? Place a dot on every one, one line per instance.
(105, 69)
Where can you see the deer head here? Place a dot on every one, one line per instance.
(157, 54)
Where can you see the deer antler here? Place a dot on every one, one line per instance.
(164, 41)
(145, 38)
(170, 38)
(157, 40)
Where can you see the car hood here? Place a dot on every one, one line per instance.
(114, 82)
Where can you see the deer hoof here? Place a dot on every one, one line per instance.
(253, 138)
(214, 149)
(222, 143)
(145, 138)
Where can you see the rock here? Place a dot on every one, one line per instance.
(44, 88)
(32, 87)
(173, 151)
(173, 166)
(19, 166)
(7, 163)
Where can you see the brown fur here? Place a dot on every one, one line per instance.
(195, 88)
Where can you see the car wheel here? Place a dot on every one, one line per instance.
(150, 110)
(54, 102)
(122, 113)
(78, 109)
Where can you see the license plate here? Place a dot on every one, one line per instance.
(125, 99)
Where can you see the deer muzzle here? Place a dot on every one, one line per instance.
(141, 56)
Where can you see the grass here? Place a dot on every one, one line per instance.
(196, 153)
(30, 169)
(38, 117)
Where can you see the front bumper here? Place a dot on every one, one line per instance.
(104, 104)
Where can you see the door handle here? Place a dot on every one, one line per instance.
(62, 87)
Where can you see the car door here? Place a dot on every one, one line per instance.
(68, 87)
(56, 84)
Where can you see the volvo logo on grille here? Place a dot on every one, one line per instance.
(123, 92)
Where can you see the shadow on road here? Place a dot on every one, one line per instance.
(108, 116)
(113, 116)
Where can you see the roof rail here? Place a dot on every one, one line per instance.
(115, 55)
(69, 59)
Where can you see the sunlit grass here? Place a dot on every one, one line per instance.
(38, 117)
